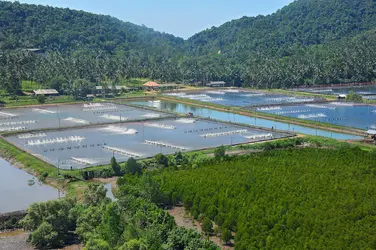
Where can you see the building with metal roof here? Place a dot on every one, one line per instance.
(46, 92)
(218, 84)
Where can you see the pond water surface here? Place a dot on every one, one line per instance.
(227, 116)
(16, 191)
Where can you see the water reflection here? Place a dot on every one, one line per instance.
(227, 116)
(15, 191)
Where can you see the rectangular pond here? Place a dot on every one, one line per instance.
(227, 116)
(30, 118)
(240, 97)
(79, 148)
(340, 113)
(367, 91)
(18, 189)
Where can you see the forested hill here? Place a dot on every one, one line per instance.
(308, 42)
(303, 22)
(29, 26)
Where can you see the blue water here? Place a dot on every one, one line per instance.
(224, 116)
(362, 90)
(356, 116)
(16, 193)
(240, 97)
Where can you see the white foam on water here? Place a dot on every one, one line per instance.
(43, 111)
(18, 123)
(216, 92)
(293, 111)
(31, 135)
(259, 136)
(100, 108)
(115, 117)
(232, 90)
(254, 95)
(224, 133)
(177, 94)
(7, 114)
(84, 161)
(342, 104)
(8, 129)
(185, 120)
(163, 144)
(289, 99)
(312, 116)
(55, 140)
(91, 105)
(269, 108)
(159, 125)
(120, 130)
(151, 115)
(123, 152)
(76, 120)
(320, 106)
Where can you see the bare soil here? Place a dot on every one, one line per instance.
(182, 219)
(17, 240)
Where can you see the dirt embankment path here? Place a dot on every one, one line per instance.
(184, 220)
(346, 130)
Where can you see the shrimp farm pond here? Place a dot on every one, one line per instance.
(243, 119)
(360, 116)
(368, 92)
(59, 116)
(77, 148)
(241, 97)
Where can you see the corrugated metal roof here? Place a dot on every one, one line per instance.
(46, 92)
(111, 87)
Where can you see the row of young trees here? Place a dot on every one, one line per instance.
(294, 198)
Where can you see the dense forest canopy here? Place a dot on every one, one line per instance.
(305, 43)
(283, 199)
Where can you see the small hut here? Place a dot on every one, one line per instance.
(151, 85)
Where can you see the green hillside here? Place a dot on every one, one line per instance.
(30, 26)
(308, 42)
(303, 22)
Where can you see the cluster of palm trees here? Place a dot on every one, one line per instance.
(78, 72)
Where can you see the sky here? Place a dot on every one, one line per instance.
(182, 18)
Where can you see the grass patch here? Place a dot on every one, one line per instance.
(31, 163)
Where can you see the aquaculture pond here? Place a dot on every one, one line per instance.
(340, 113)
(240, 97)
(18, 189)
(56, 116)
(85, 147)
(227, 116)
(367, 91)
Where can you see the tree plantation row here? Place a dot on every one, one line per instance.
(295, 193)
(292, 198)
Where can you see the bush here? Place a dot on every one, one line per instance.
(207, 226)
(220, 152)
(41, 99)
(44, 236)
